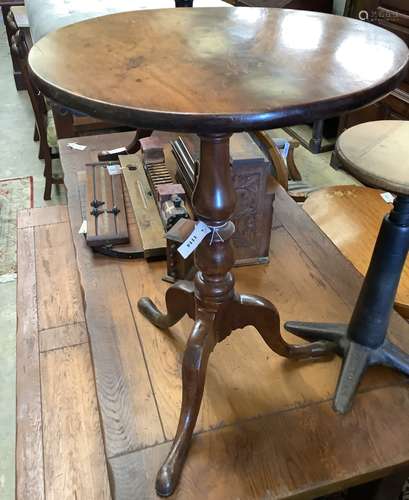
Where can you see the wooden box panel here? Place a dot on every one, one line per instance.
(253, 214)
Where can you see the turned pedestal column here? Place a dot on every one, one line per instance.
(211, 301)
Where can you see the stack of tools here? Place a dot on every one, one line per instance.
(169, 196)
(160, 181)
(158, 202)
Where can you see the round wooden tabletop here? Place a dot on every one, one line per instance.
(217, 69)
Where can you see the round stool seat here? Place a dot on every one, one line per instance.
(377, 153)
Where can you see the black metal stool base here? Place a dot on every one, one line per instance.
(357, 357)
(363, 341)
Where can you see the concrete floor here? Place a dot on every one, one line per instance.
(19, 158)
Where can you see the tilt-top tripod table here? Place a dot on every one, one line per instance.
(214, 72)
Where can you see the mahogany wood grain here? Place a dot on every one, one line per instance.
(314, 5)
(392, 15)
(218, 70)
(29, 443)
(351, 217)
(218, 309)
(74, 458)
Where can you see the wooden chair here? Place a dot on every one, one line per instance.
(20, 50)
(67, 124)
(5, 7)
(284, 167)
(47, 130)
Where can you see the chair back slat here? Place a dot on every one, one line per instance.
(20, 50)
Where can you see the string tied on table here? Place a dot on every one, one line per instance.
(215, 233)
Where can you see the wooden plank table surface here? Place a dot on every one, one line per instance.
(351, 217)
(59, 447)
(266, 427)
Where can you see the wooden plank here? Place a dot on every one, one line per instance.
(94, 144)
(297, 454)
(135, 243)
(29, 443)
(63, 336)
(104, 192)
(144, 207)
(247, 385)
(128, 407)
(107, 228)
(119, 203)
(58, 288)
(237, 387)
(91, 221)
(42, 216)
(74, 456)
(130, 419)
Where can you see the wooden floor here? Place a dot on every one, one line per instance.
(60, 453)
(266, 428)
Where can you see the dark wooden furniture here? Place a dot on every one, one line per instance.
(392, 15)
(5, 6)
(314, 5)
(65, 125)
(314, 144)
(235, 84)
(376, 153)
(48, 15)
(271, 416)
(20, 49)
